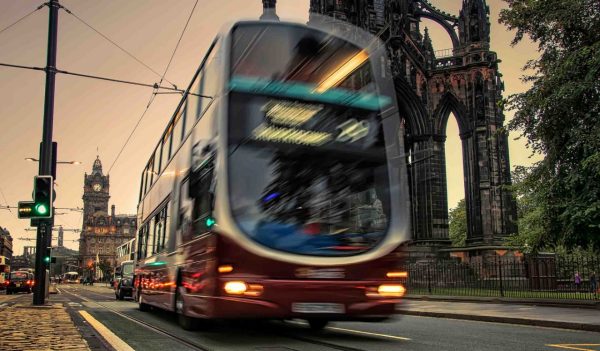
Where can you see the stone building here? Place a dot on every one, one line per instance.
(26, 260)
(6, 244)
(6, 250)
(102, 232)
(67, 260)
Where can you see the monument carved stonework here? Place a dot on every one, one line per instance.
(430, 85)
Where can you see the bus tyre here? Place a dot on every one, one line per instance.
(317, 324)
(143, 306)
(187, 323)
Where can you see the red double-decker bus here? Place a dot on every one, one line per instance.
(277, 189)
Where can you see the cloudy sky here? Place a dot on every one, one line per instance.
(91, 115)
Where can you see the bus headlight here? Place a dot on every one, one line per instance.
(241, 288)
(391, 290)
(235, 288)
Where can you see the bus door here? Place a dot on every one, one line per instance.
(195, 224)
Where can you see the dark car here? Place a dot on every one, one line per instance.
(123, 282)
(19, 282)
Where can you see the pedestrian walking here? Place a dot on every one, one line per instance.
(593, 283)
(577, 281)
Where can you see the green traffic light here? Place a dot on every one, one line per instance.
(41, 209)
(47, 259)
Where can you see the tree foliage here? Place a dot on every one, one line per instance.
(457, 220)
(560, 118)
(531, 212)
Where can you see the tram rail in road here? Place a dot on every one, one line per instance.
(196, 346)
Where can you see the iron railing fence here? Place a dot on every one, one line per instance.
(516, 277)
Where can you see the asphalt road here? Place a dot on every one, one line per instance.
(161, 331)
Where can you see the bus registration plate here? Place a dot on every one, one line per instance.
(318, 307)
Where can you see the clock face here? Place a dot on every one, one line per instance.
(97, 187)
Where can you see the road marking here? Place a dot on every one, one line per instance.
(369, 333)
(75, 304)
(110, 337)
(573, 346)
(361, 332)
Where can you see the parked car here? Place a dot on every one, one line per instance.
(19, 281)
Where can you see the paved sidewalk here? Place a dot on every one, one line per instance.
(6, 298)
(556, 317)
(29, 328)
(512, 300)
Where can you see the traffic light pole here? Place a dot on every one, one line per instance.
(44, 231)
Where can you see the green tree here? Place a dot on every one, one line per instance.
(559, 116)
(531, 211)
(457, 220)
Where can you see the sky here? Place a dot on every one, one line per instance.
(95, 118)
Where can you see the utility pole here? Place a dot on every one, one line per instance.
(269, 12)
(44, 228)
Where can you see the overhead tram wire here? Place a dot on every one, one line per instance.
(114, 80)
(22, 18)
(117, 45)
(178, 42)
(6, 202)
(154, 92)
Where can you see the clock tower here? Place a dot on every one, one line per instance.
(102, 232)
(95, 192)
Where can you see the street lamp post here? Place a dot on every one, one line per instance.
(58, 162)
(46, 164)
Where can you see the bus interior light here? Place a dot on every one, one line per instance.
(397, 274)
(226, 268)
(342, 72)
(235, 287)
(391, 290)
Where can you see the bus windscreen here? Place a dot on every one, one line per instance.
(307, 161)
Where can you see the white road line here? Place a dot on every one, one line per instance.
(360, 332)
(117, 343)
(369, 333)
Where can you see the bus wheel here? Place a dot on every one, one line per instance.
(317, 324)
(143, 306)
(187, 323)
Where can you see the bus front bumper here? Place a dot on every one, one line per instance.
(332, 300)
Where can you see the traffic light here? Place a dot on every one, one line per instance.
(26, 209)
(43, 197)
(48, 256)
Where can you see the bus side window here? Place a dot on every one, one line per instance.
(160, 229)
(151, 238)
(212, 73)
(142, 241)
(184, 212)
(178, 130)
